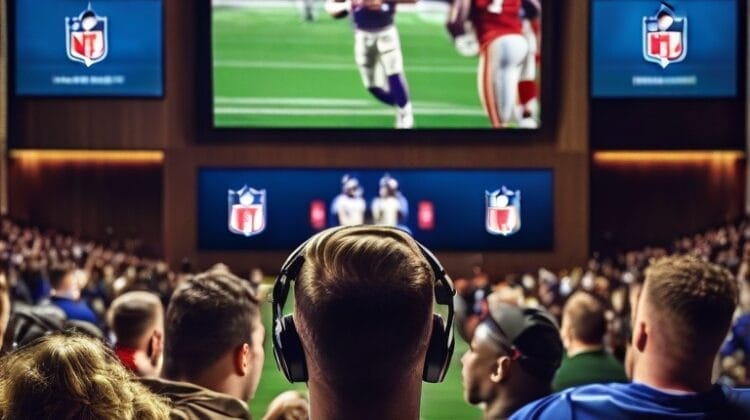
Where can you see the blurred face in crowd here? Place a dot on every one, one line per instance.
(480, 368)
(257, 357)
(4, 307)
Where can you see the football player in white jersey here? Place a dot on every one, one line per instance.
(349, 207)
(390, 207)
(377, 52)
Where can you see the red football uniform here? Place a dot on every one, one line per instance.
(494, 18)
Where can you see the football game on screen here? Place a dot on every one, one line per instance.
(399, 64)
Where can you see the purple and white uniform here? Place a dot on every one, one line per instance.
(377, 47)
(373, 20)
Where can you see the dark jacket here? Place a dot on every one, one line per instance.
(192, 402)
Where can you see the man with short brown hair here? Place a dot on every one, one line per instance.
(584, 325)
(137, 320)
(679, 321)
(213, 354)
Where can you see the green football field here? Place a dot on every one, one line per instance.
(439, 401)
(271, 69)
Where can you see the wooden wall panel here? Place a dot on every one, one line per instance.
(638, 204)
(88, 198)
(170, 124)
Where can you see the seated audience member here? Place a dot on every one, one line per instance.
(512, 358)
(213, 347)
(289, 405)
(583, 328)
(66, 293)
(72, 377)
(137, 321)
(680, 319)
(4, 307)
(364, 314)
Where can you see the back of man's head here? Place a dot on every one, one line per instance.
(364, 309)
(209, 315)
(134, 316)
(584, 321)
(689, 303)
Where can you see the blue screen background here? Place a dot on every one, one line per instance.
(617, 49)
(458, 197)
(135, 48)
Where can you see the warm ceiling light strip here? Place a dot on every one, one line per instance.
(665, 156)
(135, 156)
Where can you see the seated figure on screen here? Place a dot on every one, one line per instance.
(348, 208)
(377, 52)
(390, 208)
(503, 50)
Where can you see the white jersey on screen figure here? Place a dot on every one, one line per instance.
(349, 207)
(390, 207)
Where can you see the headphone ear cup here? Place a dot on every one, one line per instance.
(439, 352)
(288, 351)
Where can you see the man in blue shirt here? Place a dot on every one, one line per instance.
(679, 321)
(66, 282)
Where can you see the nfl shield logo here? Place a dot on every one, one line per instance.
(247, 211)
(503, 212)
(665, 36)
(86, 37)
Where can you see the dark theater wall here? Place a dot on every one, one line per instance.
(90, 198)
(650, 203)
(169, 124)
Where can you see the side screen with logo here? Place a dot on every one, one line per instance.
(653, 48)
(88, 48)
(444, 209)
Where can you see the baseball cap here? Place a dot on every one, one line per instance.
(531, 335)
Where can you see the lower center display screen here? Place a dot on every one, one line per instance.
(277, 209)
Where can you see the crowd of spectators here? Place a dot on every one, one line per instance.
(105, 303)
(610, 281)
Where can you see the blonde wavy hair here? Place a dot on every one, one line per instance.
(65, 376)
(364, 302)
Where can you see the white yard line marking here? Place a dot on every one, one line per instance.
(243, 64)
(342, 111)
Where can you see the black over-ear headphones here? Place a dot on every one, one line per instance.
(287, 346)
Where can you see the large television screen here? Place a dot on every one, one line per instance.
(382, 64)
(675, 48)
(266, 209)
(88, 48)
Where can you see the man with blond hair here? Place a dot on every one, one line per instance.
(679, 321)
(584, 325)
(363, 334)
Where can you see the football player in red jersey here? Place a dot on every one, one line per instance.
(502, 51)
(528, 86)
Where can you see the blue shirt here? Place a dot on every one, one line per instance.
(739, 339)
(638, 401)
(77, 310)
